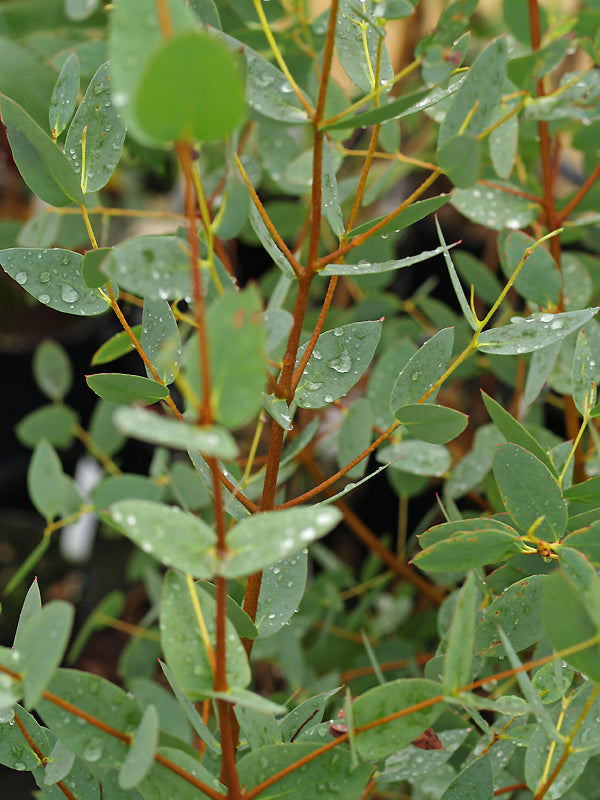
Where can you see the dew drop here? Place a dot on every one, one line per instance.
(68, 293)
(21, 277)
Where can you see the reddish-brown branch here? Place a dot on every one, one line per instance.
(511, 190)
(578, 197)
(315, 334)
(387, 666)
(514, 787)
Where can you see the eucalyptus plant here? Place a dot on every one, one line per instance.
(464, 663)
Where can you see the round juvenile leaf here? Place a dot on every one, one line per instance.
(263, 539)
(519, 614)
(183, 643)
(140, 423)
(124, 487)
(418, 458)
(104, 134)
(157, 267)
(423, 369)
(339, 359)
(434, 424)
(52, 369)
(530, 493)
(213, 101)
(171, 535)
(54, 423)
(383, 740)
(124, 389)
(54, 278)
(495, 208)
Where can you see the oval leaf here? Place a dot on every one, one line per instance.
(124, 389)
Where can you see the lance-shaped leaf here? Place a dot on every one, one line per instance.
(104, 134)
(458, 659)
(118, 345)
(173, 536)
(530, 493)
(415, 212)
(267, 241)
(429, 423)
(184, 624)
(368, 268)
(525, 335)
(150, 427)
(42, 164)
(54, 278)
(263, 539)
(124, 389)
(383, 740)
(64, 95)
(339, 359)
(140, 758)
(45, 480)
(583, 378)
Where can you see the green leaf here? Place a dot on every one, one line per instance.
(113, 488)
(584, 372)
(367, 268)
(475, 273)
(465, 551)
(243, 624)
(60, 762)
(15, 752)
(514, 432)
(80, 9)
(530, 492)
(460, 158)
(45, 480)
(423, 369)
(31, 606)
(586, 540)
(90, 267)
(475, 782)
(52, 369)
(482, 88)
(42, 645)
(140, 423)
(279, 410)
(504, 142)
(383, 740)
(541, 365)
(51, 422)
(355, 436)
(415, 212)
(332, 774)
(264, 539)
(495, 208)
(268, 91)
(157, 267)
(184, 646)
(97, 698)
(458, 659)
(259, 730)
(236, 343)
(525, 335)
(357, 43)
(213, 103)
(584, 577)
(539, 280)
(160, 339)
(118, 345)
(267, 241)
(339, 359)
(162, 782)
(330, 194)
(64, 95)
(104, 134)
(171, 535)
(567, 623)
(281, 590)
(418, 458)
(460, 295)
(124, 389)
(110, 606)
(429, 423)
(140, 758)
(42, 164)
(518, 612)
(132, 40)
(54, 278)
(191, 713)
